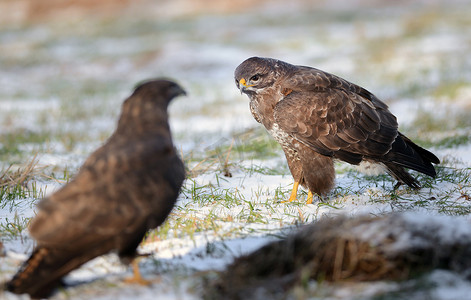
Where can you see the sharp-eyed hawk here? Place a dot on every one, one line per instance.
(126, 187)
(317, 117)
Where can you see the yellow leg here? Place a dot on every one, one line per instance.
(294, 192)
(309, 198)
(136, 278)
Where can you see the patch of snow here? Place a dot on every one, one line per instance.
(448, 286)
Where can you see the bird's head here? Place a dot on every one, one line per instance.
(255, 74)
(147, 106)
(159, 90)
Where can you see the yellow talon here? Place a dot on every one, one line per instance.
(136, 278)
(309, 198)
(294, 192)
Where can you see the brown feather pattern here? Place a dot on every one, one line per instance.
(126, 187)
(328, 116)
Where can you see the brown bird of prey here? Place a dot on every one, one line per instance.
(317, 117)
(126, 187)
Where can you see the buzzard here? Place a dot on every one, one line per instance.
(126, 187)
(317, 117)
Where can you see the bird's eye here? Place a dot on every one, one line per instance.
(255, 78)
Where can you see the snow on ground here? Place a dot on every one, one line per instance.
(209, 250)
(69, 80)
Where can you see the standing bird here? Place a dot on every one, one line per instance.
(126, 187)
(317, 117)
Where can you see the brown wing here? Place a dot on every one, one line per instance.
(108, 196)
(124, 188)
(337, 122)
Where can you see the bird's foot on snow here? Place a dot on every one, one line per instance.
(397, 185)
(136, 278)
(294, 193)
(309, 198)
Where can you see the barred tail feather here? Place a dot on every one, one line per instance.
(28, 279)
(43, 271)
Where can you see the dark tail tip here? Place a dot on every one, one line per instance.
(406, 153)
(27, 279)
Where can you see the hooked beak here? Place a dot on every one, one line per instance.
(177, 91)
(243, 85)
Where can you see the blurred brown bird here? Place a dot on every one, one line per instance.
(126, 187)
(317, 117)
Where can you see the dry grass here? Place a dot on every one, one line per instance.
(18, 183)
(20, 176)
(336, 249)
(214, 205)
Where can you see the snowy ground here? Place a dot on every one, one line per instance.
(62, 81)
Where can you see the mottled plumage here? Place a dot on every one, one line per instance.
(126, 187)
(317, 117)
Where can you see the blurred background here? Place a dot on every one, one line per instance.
(66, 66)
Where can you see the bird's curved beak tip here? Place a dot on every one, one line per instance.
(242, 85)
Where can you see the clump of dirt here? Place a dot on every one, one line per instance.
(392, 247)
